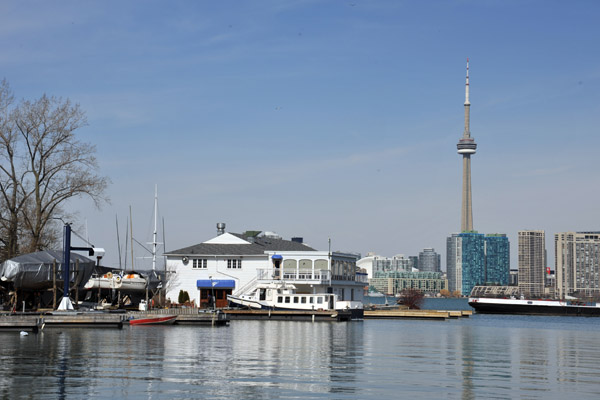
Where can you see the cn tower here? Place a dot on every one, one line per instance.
(466, 147)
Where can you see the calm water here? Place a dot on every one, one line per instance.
(480, 357)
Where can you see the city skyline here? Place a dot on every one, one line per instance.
(321, 119)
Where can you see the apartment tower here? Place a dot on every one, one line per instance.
(532, 262)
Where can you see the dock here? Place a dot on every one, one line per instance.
(416, 314)
(36, 322)
(187, 316)
(289, 315)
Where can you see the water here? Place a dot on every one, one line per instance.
(491, 357)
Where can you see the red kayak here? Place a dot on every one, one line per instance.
(166, 320)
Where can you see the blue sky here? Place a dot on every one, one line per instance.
(323, 119)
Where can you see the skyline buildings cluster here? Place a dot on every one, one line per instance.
(474, 259)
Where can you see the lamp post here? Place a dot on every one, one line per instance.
(212, 288)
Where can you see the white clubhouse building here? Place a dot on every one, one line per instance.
(232, 263)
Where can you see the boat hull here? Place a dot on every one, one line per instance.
(263, 305)
(532, 307)
(166, 320)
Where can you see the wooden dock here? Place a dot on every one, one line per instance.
(25, 323)
(187, 316)
(415, 314)
(36, 322)
(288, 315)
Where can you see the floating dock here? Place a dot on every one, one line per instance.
(187, 316)
(34, 322)
(289, 315)
(415, 314)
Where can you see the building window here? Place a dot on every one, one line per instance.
(233, 263)
(199, 263)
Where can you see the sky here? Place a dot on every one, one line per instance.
(327, 120)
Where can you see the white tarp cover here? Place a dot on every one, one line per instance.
(34, 271)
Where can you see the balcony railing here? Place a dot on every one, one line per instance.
(309, 276)
(318, 276)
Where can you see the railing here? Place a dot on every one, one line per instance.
(318, 276)
(247, 288)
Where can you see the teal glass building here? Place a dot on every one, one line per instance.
(497, 259)
(473, 260)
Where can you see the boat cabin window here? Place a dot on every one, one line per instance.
(296, 299)
(311, 300)
(280, 299)
(319, 300)
(303, 301)
(287, 299)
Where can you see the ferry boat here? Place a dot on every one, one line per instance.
(513, 305)
(280, 295)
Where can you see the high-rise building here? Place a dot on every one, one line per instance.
(454, 262)
(577, 263)
(466, 147)
(497, 259)
(414, 261)
(429, 261)
(475, 259)
(532, 262)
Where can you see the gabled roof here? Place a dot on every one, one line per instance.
(228, 246)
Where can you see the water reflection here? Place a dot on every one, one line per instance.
(480, 357)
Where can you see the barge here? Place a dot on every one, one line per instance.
(534, 307)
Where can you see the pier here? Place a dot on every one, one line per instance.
(399, 313)
(34, 322)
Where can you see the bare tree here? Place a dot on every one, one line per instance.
(10, 178)
(44, 164)
(413, 298)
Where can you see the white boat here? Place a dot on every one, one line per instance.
(106, 281)
(132, 281)
(279, 295)
(120, 280)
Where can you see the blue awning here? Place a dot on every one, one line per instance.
(215, 283)
(277, 257)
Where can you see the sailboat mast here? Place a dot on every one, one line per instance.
(154, 243)
(118, 241)
(131, 231)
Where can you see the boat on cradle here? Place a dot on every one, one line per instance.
(133, 281)
(103, 281)
(121, 280)
(280, 295)
(513, 305)
(164, 320)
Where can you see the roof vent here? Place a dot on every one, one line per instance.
(220, 228)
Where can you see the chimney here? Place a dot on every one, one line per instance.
(220, 228)
(298, 239)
